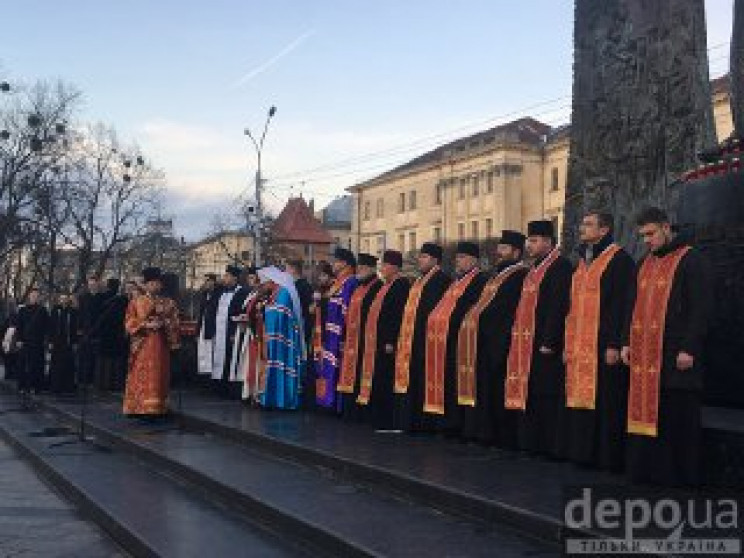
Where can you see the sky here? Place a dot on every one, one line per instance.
(359, 86)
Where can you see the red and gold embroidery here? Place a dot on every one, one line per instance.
(519, 360)
(437, 329)
(467, 340)
(407, 329)
(647, 340)
(582, 331)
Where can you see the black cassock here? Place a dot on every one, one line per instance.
(234, 390)
(381, 406)
(597, 437)
(111, 363)
(488, 422)
(409, 407)
(542, 424)
(90, 306)
(673, 457)
(452, 421)
(349, 408)
(207, 322)
(63, 334)
(33, 323)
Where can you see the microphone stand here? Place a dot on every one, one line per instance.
(84, 347)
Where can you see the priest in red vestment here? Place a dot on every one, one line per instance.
(152, 324)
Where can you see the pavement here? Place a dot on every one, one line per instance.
(35, 521)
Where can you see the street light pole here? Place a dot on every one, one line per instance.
(256, 226)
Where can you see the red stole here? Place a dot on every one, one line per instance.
(370, 344)
(405, 339)
(654, 283)
(519, 361)
(347, 377)
(437, 327)
(582, 331)
(467, 340)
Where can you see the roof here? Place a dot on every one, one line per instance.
(338, 212)
(559, 133)
(522, 131)
(721, 84)
(296, 223)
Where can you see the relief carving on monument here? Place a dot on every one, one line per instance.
(641, 107)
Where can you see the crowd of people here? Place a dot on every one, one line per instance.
(597, 362)
(82, 332)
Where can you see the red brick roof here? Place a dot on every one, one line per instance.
(296, 223)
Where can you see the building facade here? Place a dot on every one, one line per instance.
(473, 187)
(214, 253)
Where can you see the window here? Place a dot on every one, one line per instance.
(460, 231)
(411, 241)
(380, 244)
(336, 241)
(474, 229)
(437, 234)
(489, 228)
(402, 242)
(476, 186)
(555, 226)
(461, 190)
(402, 202)
(366, 210)
(438, 193)
(412, 200)
(380, 208)
(366, 246)
(489, 182)
(554, 179)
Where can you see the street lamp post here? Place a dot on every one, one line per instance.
(256, 226)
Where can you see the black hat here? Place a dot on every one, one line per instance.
(433, 250)
(541, 228)
(151, 274)
(469, 248)
(252, 270)
(513, 238)
(233, 270)
(344, 255)
(393, 257)
(367, 259)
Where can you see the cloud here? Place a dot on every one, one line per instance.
(274, 59)
(175, 136)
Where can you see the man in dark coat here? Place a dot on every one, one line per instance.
(443, 329)
(669, 309)
(33, 324)
(209, 296)
(382, 328)
(108, 328)
(483, 345)
(90, 303)
(535, 377)
(63, 338)
(596, 379)
(356, 336)
(410, 357)
(230, 307)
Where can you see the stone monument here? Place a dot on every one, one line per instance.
(641, 107)
(711, 213)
